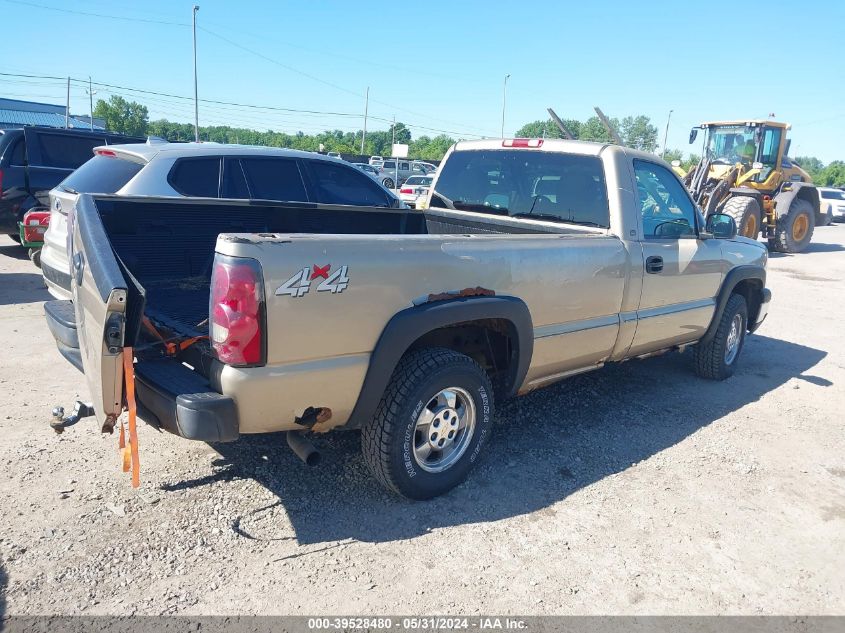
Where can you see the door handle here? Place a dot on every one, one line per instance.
(654, 264)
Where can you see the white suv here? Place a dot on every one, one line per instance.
(204, 170)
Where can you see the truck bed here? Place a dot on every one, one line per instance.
(168, 246)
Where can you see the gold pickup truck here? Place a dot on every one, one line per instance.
(533, 261)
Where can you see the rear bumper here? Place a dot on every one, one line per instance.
(766, 298)
(169, 395)
(58, 282)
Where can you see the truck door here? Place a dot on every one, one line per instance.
(100, 298)
(682, 273)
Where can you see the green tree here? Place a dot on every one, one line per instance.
(593, 130)
(126, 117)
(690, 161)
(811, 165)
(832, 176)
(673, 154)
(638, 132)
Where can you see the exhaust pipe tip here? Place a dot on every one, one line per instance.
(303, 448)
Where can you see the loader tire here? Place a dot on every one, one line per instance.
(746, 212)
(795, 229)
(433, 420)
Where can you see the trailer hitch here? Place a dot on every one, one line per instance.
(61, 421)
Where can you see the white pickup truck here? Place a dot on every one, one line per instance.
(535, 260)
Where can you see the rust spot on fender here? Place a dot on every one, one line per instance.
(478, 291)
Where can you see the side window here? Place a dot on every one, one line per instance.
(196, 177)
(18, 155)
(234, 181)
(274, 179)
(67, 151)
(404, 166)
(389, 164)
(771, 143)
(666, 208)
(338, 184)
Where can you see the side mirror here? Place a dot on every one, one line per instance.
(693, 134)
(721, 225)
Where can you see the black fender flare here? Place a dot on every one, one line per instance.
(732, 279)
(794, 189)
(407, 326)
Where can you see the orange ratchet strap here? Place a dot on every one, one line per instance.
(130, 452)
(171, 348)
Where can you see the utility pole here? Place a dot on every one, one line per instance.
(504, 101)
(67, 106)
(666, 134)
(90, 103)
(196, 93)
(366, 107)
(393, 129)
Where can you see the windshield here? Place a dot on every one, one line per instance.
(419, 180)
(549, 186)
(731, 144)
(833, 194)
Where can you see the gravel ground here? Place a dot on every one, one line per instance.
(637, 489)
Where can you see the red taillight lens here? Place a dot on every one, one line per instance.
(406, 190)
(105, 152)
(35, 225)
(236, 312)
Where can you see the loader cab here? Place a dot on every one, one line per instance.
(755, 148)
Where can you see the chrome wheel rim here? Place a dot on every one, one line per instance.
(734, 336)
(444, 429)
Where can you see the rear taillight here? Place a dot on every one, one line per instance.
(236, 311)
(105, 152)
(406, 190)
(35, 225)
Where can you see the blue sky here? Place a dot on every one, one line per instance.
(440, 65)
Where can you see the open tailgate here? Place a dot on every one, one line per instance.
(100, 299)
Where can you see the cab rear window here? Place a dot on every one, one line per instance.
(102, 174)
(551, 186)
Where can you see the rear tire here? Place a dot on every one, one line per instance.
(716, 359)
(747, 214)
(35, 256)
(795, 229)
(413, 415)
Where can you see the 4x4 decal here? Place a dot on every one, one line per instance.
(300, 283)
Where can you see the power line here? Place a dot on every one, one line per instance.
(100, 84)
(246, 49)
(91, 14)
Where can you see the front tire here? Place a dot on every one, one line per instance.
(716, 359)
(747, 214)
(795, 229)
(433, 420)
(388, 183)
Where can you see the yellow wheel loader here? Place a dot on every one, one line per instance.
(745, 172)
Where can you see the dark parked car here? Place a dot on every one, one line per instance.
(33, 160)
